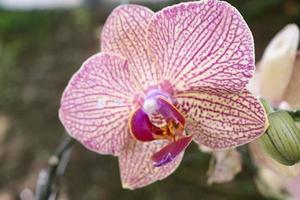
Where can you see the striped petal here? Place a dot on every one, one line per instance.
(220, 120)
(202, 44)
(97, 102)
(137, 168)
(125, 33)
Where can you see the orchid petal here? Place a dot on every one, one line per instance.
(220, 120)
(125, 33)
(202, 44)
(137, 168)
(277, 184)
(276, 65)
(169, 111)
(224, 165)
(97, 102)
(293, 187)
(254, 83)
(169, 152)
(292, 92)
(271, 184)
(141, 127)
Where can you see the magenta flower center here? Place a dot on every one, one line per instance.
(157, 104)
(142, 128)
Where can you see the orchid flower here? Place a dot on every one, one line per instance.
(161, 81)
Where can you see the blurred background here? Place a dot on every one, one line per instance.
(42, 43)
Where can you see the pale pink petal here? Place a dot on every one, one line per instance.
(270, 184)
(220, 120)
(137, 168)
(125, 33)
(202, 44)
(276, 65)
(97, 102)
(292, 92)
(224, 165)
(293, 187)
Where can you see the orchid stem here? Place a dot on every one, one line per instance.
(47, 182)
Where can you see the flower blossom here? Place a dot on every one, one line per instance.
(161, 81)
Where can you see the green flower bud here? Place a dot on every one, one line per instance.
(282, 139)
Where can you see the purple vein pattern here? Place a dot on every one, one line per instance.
(199, 56)
(125, 33)
(202, 45)
(137, 171)
(97, 102)
(224, 120)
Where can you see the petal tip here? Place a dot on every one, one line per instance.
(168, 158)
(127, 186)
(277, 63)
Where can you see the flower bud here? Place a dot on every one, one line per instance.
(276, 65)
(282, 138)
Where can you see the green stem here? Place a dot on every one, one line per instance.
(47, 180)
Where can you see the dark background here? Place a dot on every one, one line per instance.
(39, 51)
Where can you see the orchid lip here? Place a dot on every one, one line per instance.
(142, 128)
(170, 151)
(168, 158)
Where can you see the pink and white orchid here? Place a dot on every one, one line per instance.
(162, 80)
